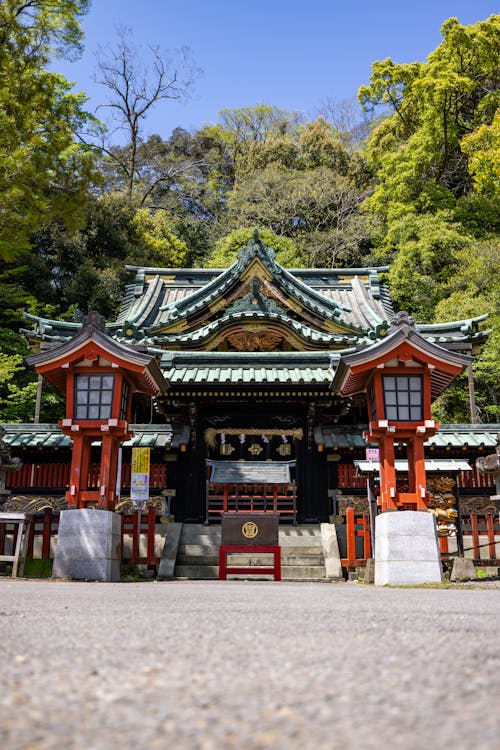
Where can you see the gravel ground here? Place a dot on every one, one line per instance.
(214, 665)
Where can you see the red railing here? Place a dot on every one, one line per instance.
(39, 475)
(475, 478)
(347, 479)
(137, 525)
(46, 526)
(356, 526)
(56, 476)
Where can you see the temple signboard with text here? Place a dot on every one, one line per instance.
(139, 480)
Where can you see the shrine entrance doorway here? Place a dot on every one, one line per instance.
(270, 448)
(251, 487)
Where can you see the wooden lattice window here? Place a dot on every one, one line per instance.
(403, 398)
(93, 396)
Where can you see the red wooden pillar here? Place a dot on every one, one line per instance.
(388, 474)
(46, 532)
(136, 536)
(109, 462)
(420, 478)
(351, 535)
(443, 545)
(151, 535)
(31, 538)
(80, 460)
(476, 552)
(410, 452)
(490, 528)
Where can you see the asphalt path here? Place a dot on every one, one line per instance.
(209, 665)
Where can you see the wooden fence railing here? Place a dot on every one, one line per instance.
(356, 526)
(480, 531)
(136, 526)
(56, 476)
(139, 528)
(474, 526)
(347, 479)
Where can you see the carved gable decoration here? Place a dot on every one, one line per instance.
(256, 301)
(249, 341)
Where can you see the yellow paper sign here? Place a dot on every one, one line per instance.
(140, 460)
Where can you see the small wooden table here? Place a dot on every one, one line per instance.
(227, 549)
(22, 520)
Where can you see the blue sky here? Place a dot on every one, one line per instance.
(289, 53)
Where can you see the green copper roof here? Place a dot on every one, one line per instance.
(256, 249)
(308, 301)
(271, 368)
(338, 437)
(249, 375)
(455, 436)
(50, 436)
(311, 335)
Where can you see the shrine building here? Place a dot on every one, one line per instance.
(256, 388)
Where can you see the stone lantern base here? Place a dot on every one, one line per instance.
(88, 545)
(406, 548)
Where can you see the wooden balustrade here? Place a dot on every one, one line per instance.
(46, 525)
(347, 479)
(56, 476)
(356, 526)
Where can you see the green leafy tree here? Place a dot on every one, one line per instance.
(156, 244)
(424, 250)
(249, 125)
(483, 150)
(226, 249)
(475, 290)
(316, 208)
(18, 384)
(436, 106)
(44, 173)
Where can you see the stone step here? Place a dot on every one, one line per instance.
(301, 551)
(194, 550)
(208, 559)
(296, 541)
(303, 560)
(303, 573)
(195, 533)
(210, 556)
(197, 572)
(301, 554)
(288, 573)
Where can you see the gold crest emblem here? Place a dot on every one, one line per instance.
(249, 529)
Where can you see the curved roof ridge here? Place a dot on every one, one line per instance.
(47, 325)
(310, 298)
(362, 299)
(301, 328)
(464, 325)
(145, 303)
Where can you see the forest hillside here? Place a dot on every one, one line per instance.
(406, 175)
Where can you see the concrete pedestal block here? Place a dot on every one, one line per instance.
(333, 566)
(463, 569)
(370, 571)
(169, 554)
(406, 548)
(88, 545)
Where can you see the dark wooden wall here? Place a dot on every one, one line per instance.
(311, 469)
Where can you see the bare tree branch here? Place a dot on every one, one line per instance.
(135, 89)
